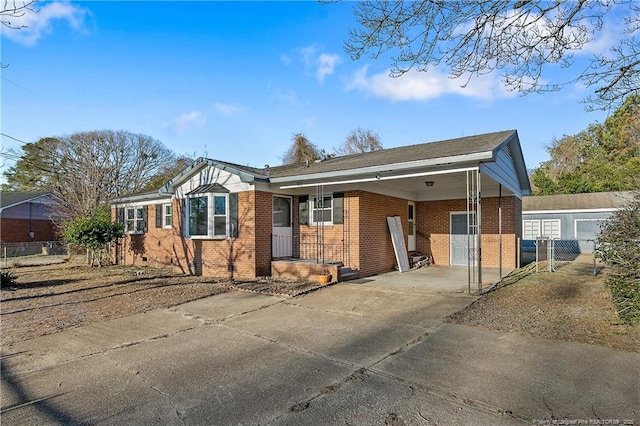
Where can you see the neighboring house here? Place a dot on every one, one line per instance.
(570, 216)
(26, 217)
(455, 199)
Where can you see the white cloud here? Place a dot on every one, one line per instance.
(307, 55)
(424, 86)
(186, 121)
(227, 109)
(321, 64)
(38, 22)
(326, 64)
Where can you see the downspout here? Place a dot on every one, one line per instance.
(468, 240)
(500, 229)
(479, 229)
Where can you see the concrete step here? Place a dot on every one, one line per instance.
(345, 273)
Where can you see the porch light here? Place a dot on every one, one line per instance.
(429, 183)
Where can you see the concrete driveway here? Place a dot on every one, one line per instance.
(360, 353)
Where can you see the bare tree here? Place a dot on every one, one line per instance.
(301, 150)
(15, 9)
(87, 169)
(359, 140)
(518, 38)
(12, 11)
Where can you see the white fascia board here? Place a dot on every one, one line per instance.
(141, 199)
(599, 210)
(477, 157)
(382, 178)
(183, 176)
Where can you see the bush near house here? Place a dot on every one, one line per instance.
(93, 233)
(619, 248)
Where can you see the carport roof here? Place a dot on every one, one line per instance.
(460, 147)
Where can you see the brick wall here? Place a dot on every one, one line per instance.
(241, 257)
(433, 228)
(375, 246)
(263, 226)
(17, 230)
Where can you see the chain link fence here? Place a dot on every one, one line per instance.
(31, 252)
(570, 256)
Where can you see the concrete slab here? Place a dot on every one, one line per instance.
(385, 304)
(431, 279)
(208, 375)
(80, 342)
(226, 305)
(534, 378)
(368, 398)
(349, 338)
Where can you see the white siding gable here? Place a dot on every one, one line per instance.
(210, 175)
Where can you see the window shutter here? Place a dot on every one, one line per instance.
(120, 215)
(338, 208)
(303, 210)
(159, 215)
(233, 214)
(145, 216)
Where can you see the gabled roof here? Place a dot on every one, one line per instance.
(10, 199)
(246, 173)
(466, 148)
(468, 151)
(588, 201)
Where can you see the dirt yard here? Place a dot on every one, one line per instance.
(570, 304)
(52, 298)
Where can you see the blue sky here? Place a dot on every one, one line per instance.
(234, 81)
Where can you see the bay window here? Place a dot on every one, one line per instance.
(211, 215)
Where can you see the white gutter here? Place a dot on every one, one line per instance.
(385, 167)
(376, 179)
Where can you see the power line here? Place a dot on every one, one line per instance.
(15, 139)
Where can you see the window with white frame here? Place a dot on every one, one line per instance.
(135, 220)
(167, 215)
(551, 228)
(533, 229)
(208, 216)
(322, 210)
(587, 229)
(530, 229)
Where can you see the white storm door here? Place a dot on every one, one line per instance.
(411, 215)
(463, 239)
(282, 236)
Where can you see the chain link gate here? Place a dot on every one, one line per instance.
(564, 253)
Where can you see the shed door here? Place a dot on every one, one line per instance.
(281, 245)
(462, 236)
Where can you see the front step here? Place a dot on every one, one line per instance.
(345, 274)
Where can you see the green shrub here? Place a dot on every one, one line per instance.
(7, 278)
(619, 248)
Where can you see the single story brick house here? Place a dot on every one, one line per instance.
(27, 217)
(458, 201)
(577, 217)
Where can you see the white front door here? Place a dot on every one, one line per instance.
(411, 215)
(282, 243)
